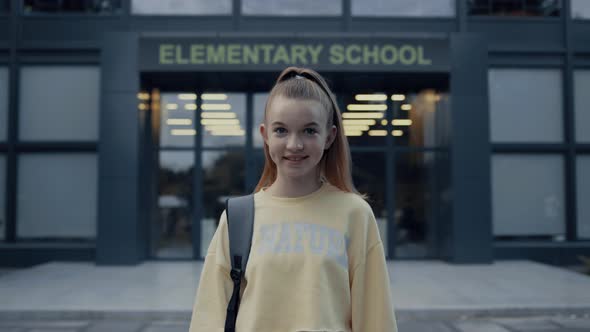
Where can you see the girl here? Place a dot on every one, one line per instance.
(317, 261)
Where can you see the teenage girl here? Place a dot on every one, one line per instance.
(317, 261)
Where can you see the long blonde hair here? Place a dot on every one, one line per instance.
(307, 84)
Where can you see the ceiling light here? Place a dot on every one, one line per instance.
(366, 107)
(214, 96)
(398, 97)
(179, 122)
(370, 97)
(187, 96)
(220, 121)
(183, 132)
(377, 132)
(218, 115)
(406, 107)
(374, 115)
(359, 122)
(401, 122)
(216, 107)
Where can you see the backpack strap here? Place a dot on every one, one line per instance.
(240, 221)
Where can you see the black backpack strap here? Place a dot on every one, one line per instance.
(240, 221)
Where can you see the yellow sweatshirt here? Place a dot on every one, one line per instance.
(316, 264)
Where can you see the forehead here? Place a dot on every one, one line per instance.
(296, 112)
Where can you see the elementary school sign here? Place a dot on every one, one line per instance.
(251, 54)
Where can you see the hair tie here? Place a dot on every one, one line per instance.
(297, 76)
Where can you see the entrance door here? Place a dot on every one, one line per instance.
(210, 149)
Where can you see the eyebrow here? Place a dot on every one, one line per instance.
(278, 123)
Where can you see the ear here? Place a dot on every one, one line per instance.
(331, 137)
(263, 133)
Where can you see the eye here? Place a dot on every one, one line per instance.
(310, 131)
(280, 130)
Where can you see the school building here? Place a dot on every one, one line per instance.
(125, 124)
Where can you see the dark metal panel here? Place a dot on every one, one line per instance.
(118, 240)
(544, 252)
(526, 59)
(471, 228)
(290, 24)
(27, 255)
(379, 24)
(504, 34)
(119, 134)
(580, 31)
(121, 236)
(4, 30)
(66, 32)
(194, 24)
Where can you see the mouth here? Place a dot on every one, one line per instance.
(295, 159)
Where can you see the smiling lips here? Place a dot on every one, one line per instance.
(295, 158)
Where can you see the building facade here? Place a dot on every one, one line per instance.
(124, 125)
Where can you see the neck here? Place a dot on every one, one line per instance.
(287, 187)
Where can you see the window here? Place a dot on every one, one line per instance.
(368, 173)
(59, 199)
(582, 105)
(528, 195)
(67, 111)
(2, 198)
(583, 192)
(223, 119)
(175, 205)
(409, 8)
(223, 177)
(525, 105)
(181, 7)
(3, 104)
(580, 9)
(4, 6)
(101, 7)
(292, 7)
(515, 7)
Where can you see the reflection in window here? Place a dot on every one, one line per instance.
(2, 198)
(292, 7)
(583, 192)
(223, 177)
(520, 112)
(3, 103)
(515, 7)
(181, 7)
(414, 184)
(177, 119)
(368, 172)
(528, 196)
(420, 119)
(59, 199)
(409, 8)
(67, 111)
(580, 9)
(73, 6)
(364, 118)
(582, 105)
(172, 233)
(223, 119)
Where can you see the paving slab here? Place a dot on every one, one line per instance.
(166, 290)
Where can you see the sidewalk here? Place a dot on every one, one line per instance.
(166, 290)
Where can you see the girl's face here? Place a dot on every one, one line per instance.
(296, 134)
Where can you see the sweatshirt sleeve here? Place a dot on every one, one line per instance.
(372, 306)
(215, 285)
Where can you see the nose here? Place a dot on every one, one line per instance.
(294, 143)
